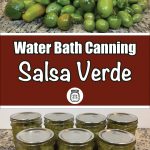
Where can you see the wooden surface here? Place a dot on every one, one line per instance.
(8, 26)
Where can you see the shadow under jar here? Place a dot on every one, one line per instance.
(76, 139)
(115, 139)
(122, 121)
(35, 139)
(25, 120)
(58, 121)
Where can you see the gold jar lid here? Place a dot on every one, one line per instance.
(76, 136)
(90, 118)
(122, 118)
(117, 137)
(35, 136)
(25, 117)
(59, 117)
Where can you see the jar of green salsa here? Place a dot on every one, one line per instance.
(35, 139)
(122, 121)
(115, 139)
(75, 139)
(25, 120)
(91, 121)
(58, 121)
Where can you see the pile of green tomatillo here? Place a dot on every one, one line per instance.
(93, 14)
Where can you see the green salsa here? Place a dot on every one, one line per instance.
(76, 139)
(122, 121)
(35, 139)
(24, 120)
(58, 121)
(91, 121)
(115, 139)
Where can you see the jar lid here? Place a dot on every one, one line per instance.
(91, 118)
(25, 116)
(117, 137)
(35, 135)
(122, 118)
(59, 117)
(74, 91)
(76, 136)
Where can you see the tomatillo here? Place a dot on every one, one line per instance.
(50, 19)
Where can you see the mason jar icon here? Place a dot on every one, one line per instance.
(75, 96)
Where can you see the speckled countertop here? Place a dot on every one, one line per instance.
(7, 26)
(142, 136)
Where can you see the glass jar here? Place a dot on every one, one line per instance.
(58, 121)
(115, 139)
(25, 120)
(75, 139)
(122, 121)
(35, 139)
(91, 121)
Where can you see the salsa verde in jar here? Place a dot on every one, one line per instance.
(115, 139)
(35, 139)
(122, 121)
(91, 121)
(58, 121)
(25, 120)
(76, 139)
